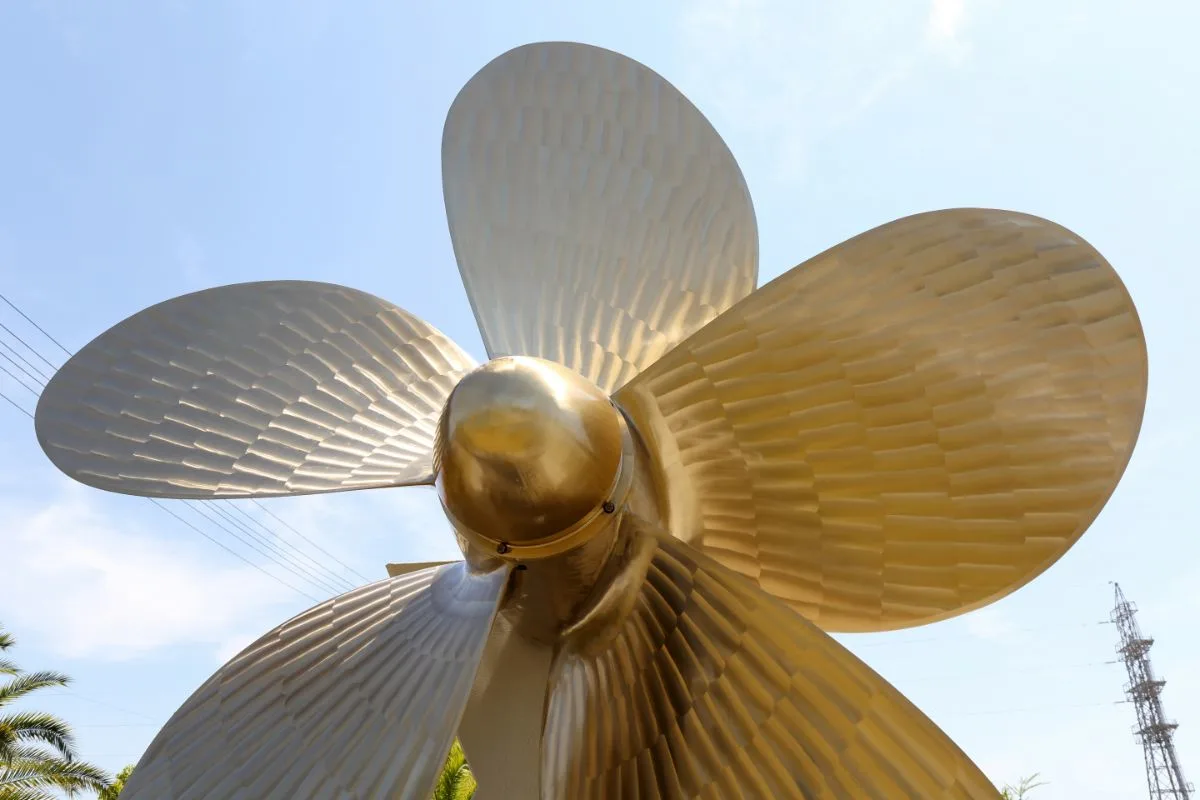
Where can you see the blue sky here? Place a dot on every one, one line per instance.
(148, 150)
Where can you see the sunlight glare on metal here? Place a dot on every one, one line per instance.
(668, 486)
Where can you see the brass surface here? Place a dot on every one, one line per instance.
(501, 728)
(529, 453)
(395, 570)
(356, 698)
(709, 687)
(910, 425)
(254, 389)
(597, 217)
(559, 582)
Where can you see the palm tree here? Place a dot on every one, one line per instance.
(1022, 789)
(37, 758)
(456, 781)
(118, 784)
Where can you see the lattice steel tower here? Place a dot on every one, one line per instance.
(1163, 773)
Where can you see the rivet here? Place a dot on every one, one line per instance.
(609, 507)
(503, 548)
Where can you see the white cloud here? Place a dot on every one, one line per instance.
(1100, 769)
(792, 74)
(229, 648)
(369, 529)
(945, 26)
(92, 588)
(991, 624)
(85, 584)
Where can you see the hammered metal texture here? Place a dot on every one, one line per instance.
(255, 389)
(910, 425)
(357, 698)
(713, 689)
(596, 215)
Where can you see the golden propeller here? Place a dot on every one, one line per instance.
(666, 484)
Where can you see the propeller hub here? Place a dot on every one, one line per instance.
(529, 452)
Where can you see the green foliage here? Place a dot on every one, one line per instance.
(118, 784)
(456, 781)
(1022, 789)
(33, 773)
(37, 757)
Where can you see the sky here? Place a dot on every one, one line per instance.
(152, 149)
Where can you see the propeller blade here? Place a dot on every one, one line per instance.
(358, 697)
(709, 687)
(596, 215)
(910, 425)
(253, 390)
(397, 569)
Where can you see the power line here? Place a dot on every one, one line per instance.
(220, 544)
(105, 703)
(26, 362)
(198, 509)
(324, 578)
(41, 330)
(116, 755)
(310, 541)
(333, 581)
(16, 405)
(255, 521)
(215, 541)
(1012, 671)
(1031, 709)
(232, 552)
(337, 585)
(7, 372)
(967, 635)
(28, 346)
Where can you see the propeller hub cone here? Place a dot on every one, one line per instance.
(527, 450)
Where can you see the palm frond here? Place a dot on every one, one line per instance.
(31, 726)
(51, 772)
(36, 758)
(29, 752)
(456, 781)
(118, 784)
(21, 793)
(27, 682)
(1010, 792)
